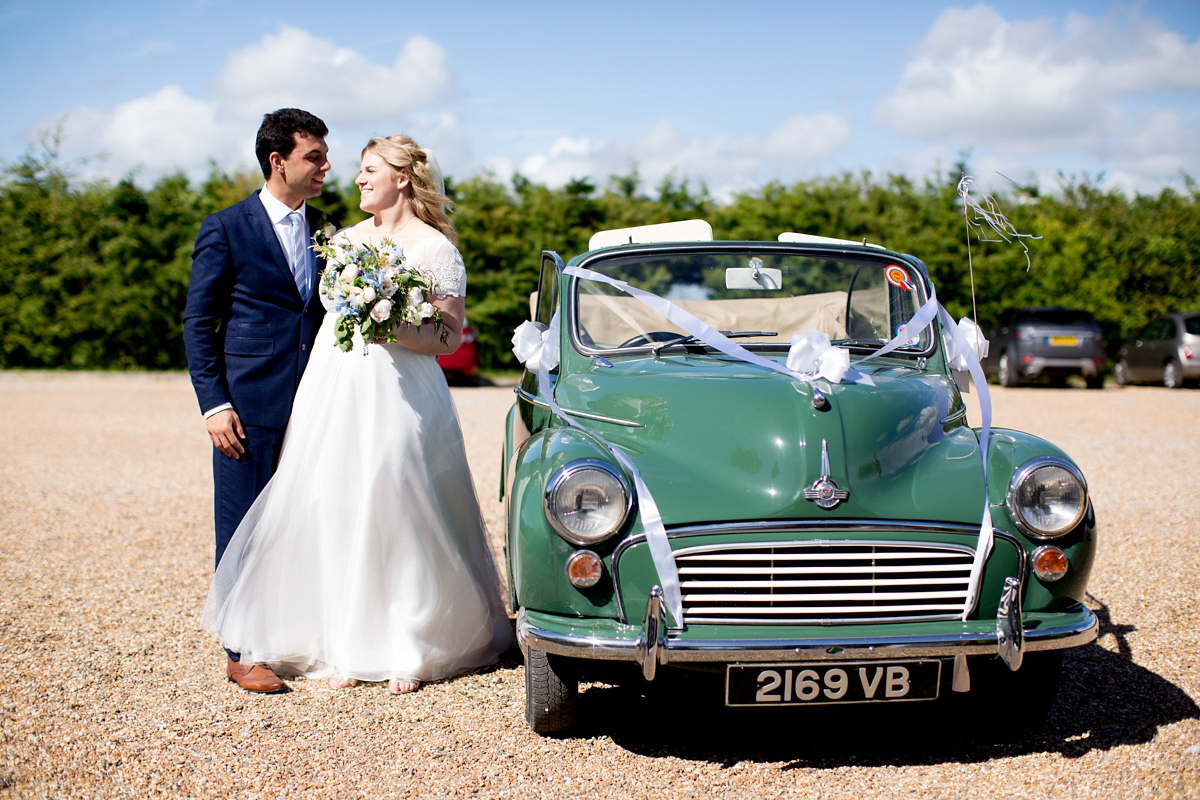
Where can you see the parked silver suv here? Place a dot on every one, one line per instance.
(1166, 350)
(1051, 342)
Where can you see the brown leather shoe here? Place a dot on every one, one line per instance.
(254, 677)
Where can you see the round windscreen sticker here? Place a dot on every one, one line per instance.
(898, 276)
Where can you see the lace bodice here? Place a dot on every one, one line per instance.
(438, 258)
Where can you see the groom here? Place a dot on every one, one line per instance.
(252, 313)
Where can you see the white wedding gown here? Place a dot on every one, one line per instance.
(366, 554)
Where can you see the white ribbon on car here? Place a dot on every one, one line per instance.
(536, 346)
(811, 356)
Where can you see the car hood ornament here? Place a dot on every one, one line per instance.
(824, 491)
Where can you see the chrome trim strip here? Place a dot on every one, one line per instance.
(708, 548)
(540, 403)
(789, 650)
(957, 415)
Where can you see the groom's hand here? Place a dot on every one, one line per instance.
(225, 430)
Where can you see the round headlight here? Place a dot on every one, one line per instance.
(1047, 497)
(586, 501)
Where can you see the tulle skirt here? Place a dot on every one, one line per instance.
(366, 554)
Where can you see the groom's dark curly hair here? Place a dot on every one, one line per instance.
(277, 134)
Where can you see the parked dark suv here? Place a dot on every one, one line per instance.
(1167, 351)
(1051, 342)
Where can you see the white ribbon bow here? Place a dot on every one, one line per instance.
(977, 346)
(813, 353)
(536, 345)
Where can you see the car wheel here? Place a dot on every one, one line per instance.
(1008, 371)
(551, 693)
(1095, 382)
(1172, 377)
(1121, 373)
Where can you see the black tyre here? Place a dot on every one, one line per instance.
(1121, 373)
(1008, 371)
(1095, 382)
(551, 693)
(1172, 376)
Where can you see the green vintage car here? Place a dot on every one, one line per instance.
(751, 462)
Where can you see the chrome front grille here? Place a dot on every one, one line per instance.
(823, 582)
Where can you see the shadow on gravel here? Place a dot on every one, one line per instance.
(1104, 701)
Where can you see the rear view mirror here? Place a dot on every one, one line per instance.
(756, 277)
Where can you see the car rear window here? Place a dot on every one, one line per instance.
(1192, 325)
(1057, 316)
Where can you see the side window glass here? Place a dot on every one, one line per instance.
(547, 292)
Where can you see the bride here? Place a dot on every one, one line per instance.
(366, 557)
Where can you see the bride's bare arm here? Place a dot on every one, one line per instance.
(425, 339)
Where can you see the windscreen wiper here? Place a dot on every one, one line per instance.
(687, 338)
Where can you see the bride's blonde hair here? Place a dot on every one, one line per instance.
(428, 199)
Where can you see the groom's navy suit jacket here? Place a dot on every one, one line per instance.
(248, 335)
(247, 331)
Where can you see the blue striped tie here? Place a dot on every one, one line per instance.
(298, 257)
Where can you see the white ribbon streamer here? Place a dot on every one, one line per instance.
(705, 333)
(987, 212)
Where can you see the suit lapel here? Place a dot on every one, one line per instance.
(262, 226)
(315, 220)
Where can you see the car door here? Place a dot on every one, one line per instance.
(1144, 358)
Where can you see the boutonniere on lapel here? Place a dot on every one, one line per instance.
(322, 235)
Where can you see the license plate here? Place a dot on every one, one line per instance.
(1064, 341)
(820, 684)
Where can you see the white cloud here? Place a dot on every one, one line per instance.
(295, 68)
(725, 164)
(1034, 93)
(169, 130)
(162, 132)
(981, 79)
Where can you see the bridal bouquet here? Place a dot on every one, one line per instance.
(372, 290)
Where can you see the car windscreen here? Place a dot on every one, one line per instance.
(760, 298)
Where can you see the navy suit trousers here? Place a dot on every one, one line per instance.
(238, 481)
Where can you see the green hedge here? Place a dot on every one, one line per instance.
(93, 275)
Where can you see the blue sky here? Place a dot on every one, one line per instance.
(733, 94)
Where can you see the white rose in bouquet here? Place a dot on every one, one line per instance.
(418, 313)
(381, 310)
(387, 282)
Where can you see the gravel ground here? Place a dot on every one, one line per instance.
(108, 688)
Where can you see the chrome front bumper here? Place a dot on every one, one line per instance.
(653, 645)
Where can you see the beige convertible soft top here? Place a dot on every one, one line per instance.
(611, 320)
